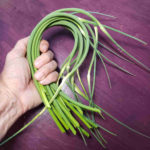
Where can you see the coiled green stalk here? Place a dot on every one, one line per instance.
(60, 106)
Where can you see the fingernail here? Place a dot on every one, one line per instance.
(38, 75)
(37, 62)
(44, 47)
(43, 82)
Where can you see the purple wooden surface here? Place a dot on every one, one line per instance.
(128, 100)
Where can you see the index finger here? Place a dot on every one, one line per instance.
(44, 45)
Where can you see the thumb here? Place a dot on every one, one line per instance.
(20, 48)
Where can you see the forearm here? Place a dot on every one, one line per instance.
(10, 110)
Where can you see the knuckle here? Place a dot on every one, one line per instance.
(10, 55)
(19, 41)
(50, 55)
(20, 44)
(43, 69)
(54, 63)
(43, 74)
(55, 75)
(36, 60)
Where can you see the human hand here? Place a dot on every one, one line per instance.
(16, 75)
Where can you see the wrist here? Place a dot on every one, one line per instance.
(10, 109)
(10, 97)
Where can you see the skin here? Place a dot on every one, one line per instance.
(17, 91)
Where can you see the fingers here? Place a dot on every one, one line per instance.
(45, 70)
(44, 45)
(52, 77)
(20, 48)
(45, 64)
(45, 73)
(43, 59)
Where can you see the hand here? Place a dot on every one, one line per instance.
(16, 75)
